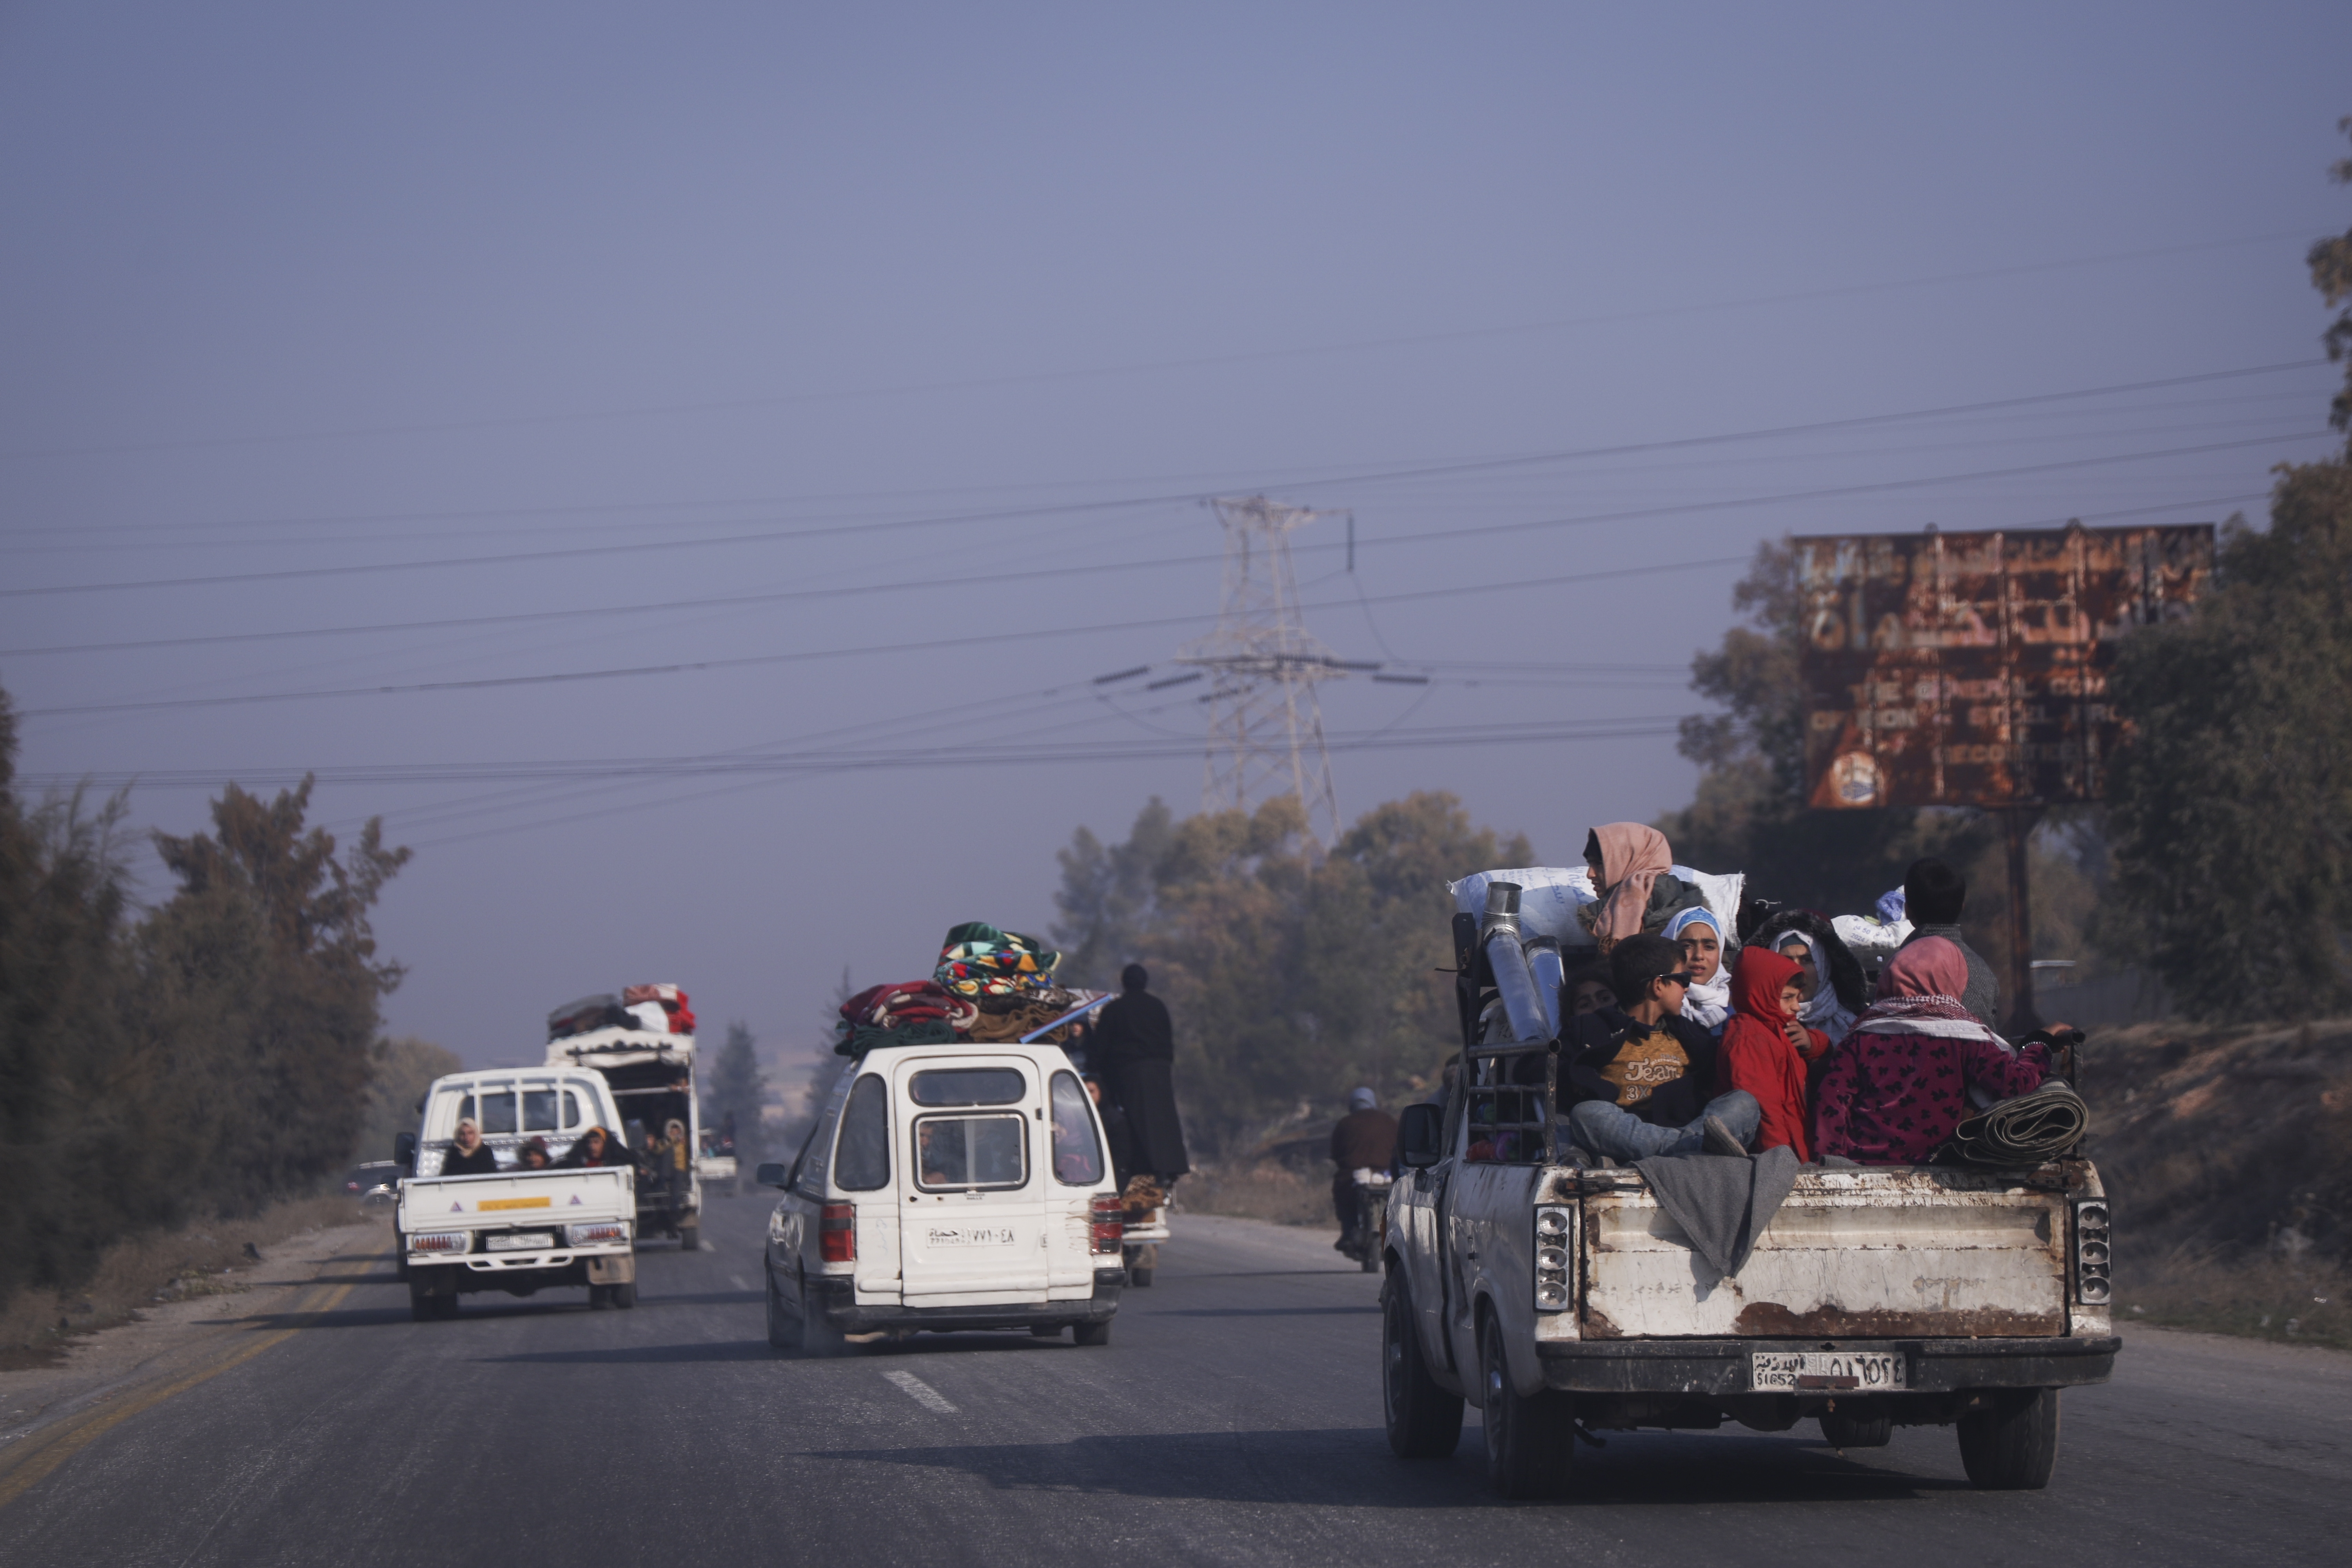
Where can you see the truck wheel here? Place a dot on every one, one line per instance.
(689, 1238)
(819, 1337)
(1424, 1421)
(1529, 1441)
(1139, 1276)
(1857, 1431)
(784, 1335)
(445, 1307)
(1091, 1333)
(596, 1301)
(421, 1307)
(2012, 1447)
(1372, 1262)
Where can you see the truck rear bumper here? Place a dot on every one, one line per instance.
(1718, 1368)
(836, 1300)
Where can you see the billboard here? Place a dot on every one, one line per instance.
(1971, 668)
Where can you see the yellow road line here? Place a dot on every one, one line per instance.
(44, 1452)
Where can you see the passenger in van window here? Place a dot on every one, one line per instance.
(594, 1147)
(469, 1155)
(533, 1156)
(931, 1154)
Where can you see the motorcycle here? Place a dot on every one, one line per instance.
(1366, 1240)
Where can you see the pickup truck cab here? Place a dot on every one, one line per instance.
(1559, 1296)
(946, 1187)
(517, 1230)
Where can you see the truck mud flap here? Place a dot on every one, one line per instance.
(617, 1268)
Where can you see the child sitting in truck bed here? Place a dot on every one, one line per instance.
(1640, 1072)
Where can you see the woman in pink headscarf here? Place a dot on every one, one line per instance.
(1898, 1085)
(1631, 868)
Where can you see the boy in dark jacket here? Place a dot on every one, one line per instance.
(1640, 1072)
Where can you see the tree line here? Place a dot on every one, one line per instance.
(204, 1055)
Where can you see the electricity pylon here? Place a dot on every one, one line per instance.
(1266, 723)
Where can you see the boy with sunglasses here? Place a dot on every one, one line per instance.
(1639, 1072)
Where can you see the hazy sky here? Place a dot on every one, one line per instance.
(921, 332)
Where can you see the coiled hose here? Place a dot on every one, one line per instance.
(2043, 1125)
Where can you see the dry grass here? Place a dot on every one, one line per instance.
(207, 1258)
(2272, 1298)
(1261, 1189)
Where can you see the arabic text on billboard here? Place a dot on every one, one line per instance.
(1971, 668)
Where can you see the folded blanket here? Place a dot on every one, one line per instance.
(980, 959)
(1721, 1203)
(999, 1018)
(860, 1040)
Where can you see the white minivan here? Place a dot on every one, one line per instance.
(947, 1187)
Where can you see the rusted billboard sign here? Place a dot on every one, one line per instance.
(1971, 668)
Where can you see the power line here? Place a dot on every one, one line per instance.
(1061, 508)
(1259, 356)
(1032, 633)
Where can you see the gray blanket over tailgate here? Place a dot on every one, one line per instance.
(1722, 1203)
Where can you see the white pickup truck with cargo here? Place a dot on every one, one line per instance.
(1556, 1293)
(517, 1230)
(944, 1188)
(651, 1075)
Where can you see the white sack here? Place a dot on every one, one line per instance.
(1868, 938)
(1550, 897)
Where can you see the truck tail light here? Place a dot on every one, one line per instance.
(2092, 1287)
(588, 1234)
(441, 1241)
(836, 1233)
(1555, 1254)
(1109, 1229)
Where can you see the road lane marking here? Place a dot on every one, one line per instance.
(921, 1393)
(708, 1247)
(36, 1461)
(738, 1282)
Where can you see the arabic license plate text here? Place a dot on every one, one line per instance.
(527, 1241)
(970, 1236)
(1826, 1372)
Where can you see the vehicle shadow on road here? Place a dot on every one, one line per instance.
(633, 1355)
(1351, 1468)
(1371, 1309)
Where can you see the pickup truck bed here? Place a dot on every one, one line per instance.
(520, 1232)
(1874, 1298)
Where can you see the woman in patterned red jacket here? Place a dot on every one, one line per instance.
(1898, 1085)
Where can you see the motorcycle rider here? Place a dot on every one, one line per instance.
(1364, 1138)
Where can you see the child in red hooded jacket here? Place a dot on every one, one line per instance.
(1766, 1051)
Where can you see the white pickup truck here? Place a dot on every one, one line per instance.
(517, 1230)
(1559, 1298)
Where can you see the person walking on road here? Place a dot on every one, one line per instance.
(1134, 1048)
(1364, 1139)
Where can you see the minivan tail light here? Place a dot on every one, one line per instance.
(1108, 1213)
(836, 1233)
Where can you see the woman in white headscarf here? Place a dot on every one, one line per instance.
(1699, 934)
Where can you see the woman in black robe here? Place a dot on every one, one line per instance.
(1133, 1047)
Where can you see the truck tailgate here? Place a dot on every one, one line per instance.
(1852, 1254)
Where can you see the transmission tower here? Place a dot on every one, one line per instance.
(1266, 723)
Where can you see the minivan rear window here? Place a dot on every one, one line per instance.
(961, 1152)
(968, 1086)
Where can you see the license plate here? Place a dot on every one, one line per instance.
(970, 1236)
(528, 1241)
(1824, 1372)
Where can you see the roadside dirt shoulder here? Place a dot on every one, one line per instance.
(166, 1338)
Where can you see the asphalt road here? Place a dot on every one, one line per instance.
(1233, 1419)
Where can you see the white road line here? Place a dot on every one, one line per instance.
(738, 1282)
(708, 1248)
(921, 1393)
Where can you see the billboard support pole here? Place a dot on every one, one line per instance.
(2017, 823)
